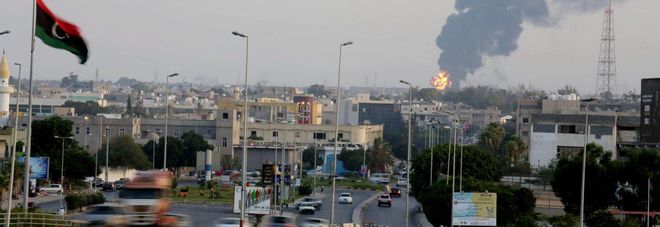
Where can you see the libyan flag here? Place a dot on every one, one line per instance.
(59, 33)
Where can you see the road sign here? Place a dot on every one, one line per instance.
(474, 209)
(363, 169)
(38, 167)
(268, 174)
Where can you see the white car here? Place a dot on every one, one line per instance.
(345, 198)
(52, 188)
(306, 208)
(402, 182)
(315, 222)
(231, 222)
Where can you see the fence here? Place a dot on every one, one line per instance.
(35, 219)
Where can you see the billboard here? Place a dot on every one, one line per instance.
(474, 209)
(650, 111)
(267, 173)
(38, 167)
(257, 200)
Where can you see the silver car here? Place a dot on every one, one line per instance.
(102, 215)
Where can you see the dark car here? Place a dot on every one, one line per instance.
(109, 186)
(119, 184)
(395, 192)
(384, 199)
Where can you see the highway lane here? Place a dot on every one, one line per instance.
(343, 212)
(394, 216)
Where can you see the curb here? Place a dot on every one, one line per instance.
(357, 211)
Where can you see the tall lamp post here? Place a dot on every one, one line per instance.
(409, 149)
(584, 158)
(245, 116)
(167, 115)
(62, 169)
(13, 149)
(334, 160)
(107, 152)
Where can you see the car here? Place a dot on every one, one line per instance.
(306, 208)
(277, 221)
(401, 182)
(99, 182)
(52, 188)
(395, 192)
(384, 199)
(119, 184)
(345, 197)
(252, 173)
(108, 186)
(316, 202)
(232, 222)
(379, 178)
(102, 215)
(315, 222)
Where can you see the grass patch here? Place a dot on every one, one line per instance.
(225, 197)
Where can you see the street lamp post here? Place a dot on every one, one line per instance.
(13, 149)
(107, 152)
(460, 184)
(167, 115)
(451, 136)
(62, 170)
(245, 116)
(584, 158)
(334, 160)
(409, 149)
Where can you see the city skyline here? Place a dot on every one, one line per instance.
(296, 44)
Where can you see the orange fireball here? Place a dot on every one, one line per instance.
(441, 81)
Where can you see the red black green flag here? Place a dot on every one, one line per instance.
(59, 33)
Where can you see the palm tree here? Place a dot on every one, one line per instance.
(515, 149)
(380, 155)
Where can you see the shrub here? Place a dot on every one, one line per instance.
(77, 201)
(305, 190)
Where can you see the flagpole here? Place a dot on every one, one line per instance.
(26, 177)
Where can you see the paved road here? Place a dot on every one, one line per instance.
(343, 212)
(394, 216)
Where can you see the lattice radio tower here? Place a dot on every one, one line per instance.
(606, 75)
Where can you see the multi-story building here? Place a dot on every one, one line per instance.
(650, 111)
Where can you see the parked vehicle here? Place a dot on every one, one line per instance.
(52, 188)
(119, 184)
(315, 222)
(385, 199)
(108, 186)
(345, 197)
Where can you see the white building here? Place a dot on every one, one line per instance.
(5, 91)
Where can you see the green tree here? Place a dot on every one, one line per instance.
(600, 181)
(515, 150)
(308, 158)
(352, 159)
(78, 163)
(317, 90)
(641, 165)
(192, 143)
(491, 138)
(379, 156)
(175, 154)
(85, 108)
(125, 154)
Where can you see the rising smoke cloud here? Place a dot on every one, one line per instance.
(485, 28)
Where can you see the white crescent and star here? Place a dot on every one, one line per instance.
(54, 32)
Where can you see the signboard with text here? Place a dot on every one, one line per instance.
(474, 209)
(257, 200)
(38, 167)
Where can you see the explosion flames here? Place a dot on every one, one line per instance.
(441, 81)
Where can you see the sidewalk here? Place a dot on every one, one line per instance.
(38, 200)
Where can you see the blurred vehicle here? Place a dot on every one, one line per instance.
(180, 220)
(52, 188)
(99, 182)
(119, 184)
(232, 222)
(253, 173)
(108, 186)
(379, 178)
(306, 208)
(102, 215)
(316, 202)
(277, 221)
(345, 197)
(384, 199)
(401, 182)
(201, 179)
(315, 222)
(145, 198)
(395, 192)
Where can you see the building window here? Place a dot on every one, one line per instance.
(525, 120)
(225, 115)
(275, 134)
(209, 132)
(121, 131)
(253, 133)
(296, 134)
(77, 130)
(568, 129)
(319, 135)
(176, 132)
(568, 152)
(87, 131)
(224, 141)
(340, 135)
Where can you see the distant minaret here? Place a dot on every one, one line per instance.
(5, 90)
